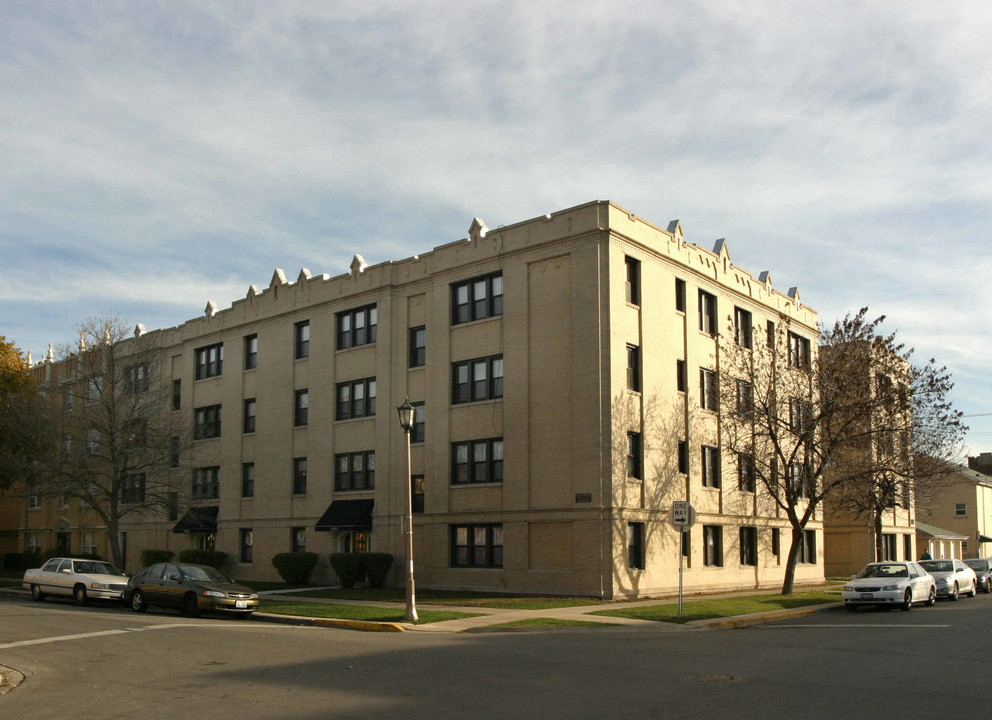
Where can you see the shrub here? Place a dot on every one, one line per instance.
(295, 568)
(21, 561)
(377, 567)
(152, 556)
(213, 558)
(349, 567)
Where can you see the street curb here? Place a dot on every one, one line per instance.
(360, 625)
(760, 618)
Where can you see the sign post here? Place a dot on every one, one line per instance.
(682, 517)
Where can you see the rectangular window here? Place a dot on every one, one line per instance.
(206, 483)
(635, 545)
(137, 379)
(94, 389)
(477, 379)
(356, 399)
(418, 433)
(354, 471)
(776, 543)
(961, 510)
(476, 545)
(635, 456)
(770, 335)
(418, 346)
(172, 509)
(889, 545)
(799, 352)
(248, 480)
(301, 407)
(800, 415)
(749, 546)
(174, 451)
(209, 361)
(680, 295)
(681, 381)
(745, 398)
(478, 298)
(711, 466)
(907, 547)
(807, 551)
(712, 546)
(133, 489)
(799, 477)
(708, 397)
(298, 539)
(742, 328)
(683, 457)
(247, 544)
(477, 461)
(417, 490)
(302, 344)
(633, 280)
(357, 327)
(685, 544)
(251, 352)
(633, 368)
(300, 476)
(249, 416)
(745, 472)
(707, 313)
(206, 422)
(177, 394)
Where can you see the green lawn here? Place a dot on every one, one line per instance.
(723, 607)
(356, 612)
(465, 599)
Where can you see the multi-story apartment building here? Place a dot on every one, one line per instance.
(962, 507)
(564, 373)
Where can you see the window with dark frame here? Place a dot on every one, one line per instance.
(138, 379)
(708, 395)
(356, 399)
(301, 407)
(712, 546)
(302, 340)
(681, 381)
(418, 432)
(418, 346)
(298, 539)
(299, 476)
(807, 551)
(248, 480)
(477, 298)
(633, 368)
(479, 545)
(477, 379)
(247, 545)
(707, 313)
(745, 398)
(635, 545)
(680, 294)
(711, 466)
(889, 546)
(354, 471)
(477, 461)
(683, 457)
(742, 328)
(172, 507)
(777, 543)
(417, 493)
(799, 352)
(357, 327)
(907, 547)
(206, 483)
(177, 394)
(770, 335)
(174, 451)
(632, 284)
(209, 361)
(635, 456)
(745, 472)
(249, 416)
(749, 545)
(206, 422)
(133, 488)
(251, 352)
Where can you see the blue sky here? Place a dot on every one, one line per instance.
(159, 155)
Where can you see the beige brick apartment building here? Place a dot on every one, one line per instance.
(563, 368)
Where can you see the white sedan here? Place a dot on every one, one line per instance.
(890, 584)
(953, 578)
(81, 580)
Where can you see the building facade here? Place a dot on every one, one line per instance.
(962, 507)
(563, 373)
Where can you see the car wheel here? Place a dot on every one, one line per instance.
(79, 595)
(190, 606)
(932, 597)
(974, 590)
(907, 603)
(37, 594)
(988, 586)
(138, 603)
(953, 595)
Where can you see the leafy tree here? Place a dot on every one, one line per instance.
(23, 429)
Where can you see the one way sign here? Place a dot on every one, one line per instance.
(683, 515)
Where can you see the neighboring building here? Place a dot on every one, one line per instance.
(963, 507)
(563, 369)
(981, 463)
(938, 543)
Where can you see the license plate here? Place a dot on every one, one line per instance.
(240, 604)
(866, 596)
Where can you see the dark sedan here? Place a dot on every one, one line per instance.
(983, 571)
(191, 588)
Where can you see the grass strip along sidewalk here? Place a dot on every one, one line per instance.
(356, 612)
(723, 607)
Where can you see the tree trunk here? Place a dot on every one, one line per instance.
(790, 564)
(877, 525)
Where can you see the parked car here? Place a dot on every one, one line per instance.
(82, 580)
(983, 573)
(953, 578)
(890, 584)
(191, 588)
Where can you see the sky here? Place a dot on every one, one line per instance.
(155, 156)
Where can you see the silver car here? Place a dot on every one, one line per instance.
(983, 571)
(953, 578)
(82, 580)
(890, 584)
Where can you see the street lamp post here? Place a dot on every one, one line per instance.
(406, 422)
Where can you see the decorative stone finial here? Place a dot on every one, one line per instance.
(211, 309)
(477, 230)
(358, 265)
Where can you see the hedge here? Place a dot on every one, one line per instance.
(356, 567)
(377, 567)
(151, 556)
(21, 561)
(213, 558)
(295, 568)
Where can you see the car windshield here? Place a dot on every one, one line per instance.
(884, 571)
(938, 565)
(977, 564)
(94, 567)
(203, 574)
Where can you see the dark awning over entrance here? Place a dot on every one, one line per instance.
(347, 515)
(982, 538)
(198, 520)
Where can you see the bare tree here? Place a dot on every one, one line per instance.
(116, 439)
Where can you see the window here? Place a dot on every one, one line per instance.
(177, 394)
(707, 313)
(94, 389)
(172, 509)
(745, 398)
(745, 472)
(356, 399)
(742, 328)
(34, 498)
(478, 298)
(799, 477)
(418, 346)
(417, 490)
(68, 395)
(133, 489)
(635, 545)
(685, 544)
(798, 352)
(770, 335)
(477, 461)
(248, 479)
(907, 547)
(711, 466)
(357, 327)
(206, 483)
(633, 368)
(354, 471)
(247, 543)
(712, 546)
(476, 545)
(419, 416)
(777, 543)
(301, 407)
(86, 544)
(960, 510)
(800, 415)
(680, 376)
(749, 545)
(477, 379)
(807, 551)
(889, 546)
(635, 455)
(249, 416)
(206, 422)
(300, 476)
(708, 399)
(298, 539)
(302, 340)
(174, 452)
(633, 280)
(683, 457)
(680, 294)
(209, 361)
(93, 439)
(137, 379)
(251, 352)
